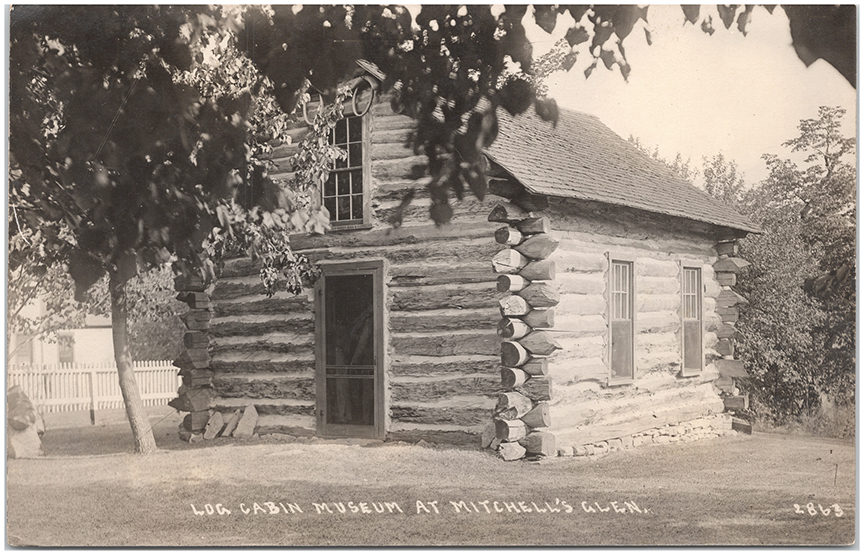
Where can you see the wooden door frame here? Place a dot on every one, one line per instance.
(375, 268)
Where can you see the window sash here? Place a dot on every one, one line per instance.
(691, 319)
(622, 326)
(344, 193)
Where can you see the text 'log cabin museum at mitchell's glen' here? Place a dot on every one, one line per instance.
(585, 304)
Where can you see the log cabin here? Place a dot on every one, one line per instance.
(586, 304)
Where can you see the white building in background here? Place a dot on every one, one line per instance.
(89, 344)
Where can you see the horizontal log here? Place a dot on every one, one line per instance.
(731, 368)
(436, 344)
(512, 405)
(426, 252)
(511, 451)
(193, 358)
(442, 297)
(189, 283)
(195, 299)
(582, 304)
(508, 213)
(728, 314)
(580, 370)
(652, 267)
(726, 278)
(440, 416)
(725, 331)
(389, 151)
(572, 258)
(538, 417)
(230, 328)
(398, 168)
(277, 387)
(662, 303)
(510, 430)
(538, 388)
(541, 318)
(450, 273)
(530, 202)
(443, 320)
(645, 285)
(725, 348)
(726, 384)
(736, 402)
(512, 328)
(292, 366)
(267, 407)
(539, 443)
(512, 377)
(282, 303)
(581, 283)
(432, 389)
(196, 319)
(580, 347)
(263, 345)
(196, 340)
(734, 265)
(399, 135)
(728, 298)
(657, 322)
(511, 283)
(576, 325)
(507, 235)
(440, 366)
(727, 248)
(540, 295)
(540, 343)
(388, 236)
(537, 247)
(508, 261)
(537, 366)
(514, 305)
(539, 270)
(534, 225)
(513, 354)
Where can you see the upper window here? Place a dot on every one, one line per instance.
(345, 191)
(621, 321)
(691, 319)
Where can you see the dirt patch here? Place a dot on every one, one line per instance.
(743, 490)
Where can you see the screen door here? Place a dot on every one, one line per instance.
(349, 350)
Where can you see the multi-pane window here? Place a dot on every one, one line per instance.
(343, 191)
(621, 326)
(691, 316)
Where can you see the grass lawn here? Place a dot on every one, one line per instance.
(740, 490)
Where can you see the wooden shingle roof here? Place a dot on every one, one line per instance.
(581, 158)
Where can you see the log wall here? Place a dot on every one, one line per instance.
(440, 309)
(586, 409)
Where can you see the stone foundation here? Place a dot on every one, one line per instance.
(701, 428)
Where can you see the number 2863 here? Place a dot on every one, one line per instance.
(814, 510)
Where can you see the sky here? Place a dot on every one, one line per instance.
(701, 95)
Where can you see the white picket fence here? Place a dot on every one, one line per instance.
(69, 387)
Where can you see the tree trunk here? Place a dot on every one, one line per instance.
(142, 433)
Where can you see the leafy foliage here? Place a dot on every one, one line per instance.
(798, 332)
